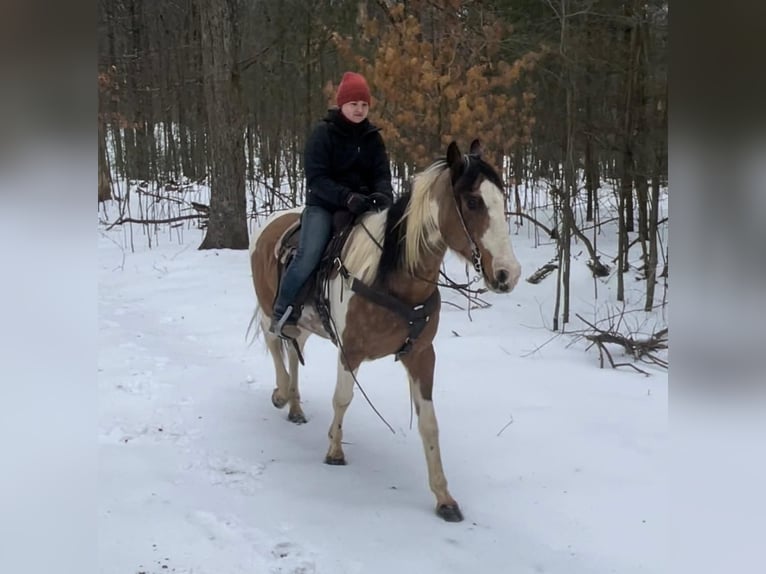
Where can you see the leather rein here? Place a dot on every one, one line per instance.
(417, 316)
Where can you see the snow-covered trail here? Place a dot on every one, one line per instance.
(199, 473)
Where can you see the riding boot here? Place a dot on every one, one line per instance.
(284, 324)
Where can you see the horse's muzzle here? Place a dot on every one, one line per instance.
(505, 279)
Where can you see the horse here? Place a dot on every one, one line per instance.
(384, 299)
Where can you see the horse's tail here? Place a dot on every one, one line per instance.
(254, 320)
(257, 312)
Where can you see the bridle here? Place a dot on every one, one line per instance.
(475, 253)
(417, 316)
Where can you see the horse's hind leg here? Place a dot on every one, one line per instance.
(420, 371)
(344, 392)
(295, 414)
(280, 394)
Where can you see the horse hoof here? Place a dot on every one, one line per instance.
(335, 461)
(297, 418)
(277, 401)
(450, 512)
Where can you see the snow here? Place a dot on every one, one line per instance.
(558, 465)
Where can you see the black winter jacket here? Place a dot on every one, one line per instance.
(343, 157)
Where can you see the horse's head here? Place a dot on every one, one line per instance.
(474, 223)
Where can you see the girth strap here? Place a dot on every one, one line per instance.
(417, 316)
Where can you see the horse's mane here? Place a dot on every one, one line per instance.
(408, 230)
(393, 244)
(412, 228)
(362, 252)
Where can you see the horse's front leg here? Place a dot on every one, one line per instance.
(286, 390)
(295, 414)
(420, 371)
(344, 392)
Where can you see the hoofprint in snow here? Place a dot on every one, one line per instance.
(556, 463)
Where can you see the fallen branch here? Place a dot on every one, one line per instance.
(201, 208)
(123, 220)
(543, 272)
(641, 349)
(603, 350)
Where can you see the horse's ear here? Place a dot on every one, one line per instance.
(476, 148)
(454, 157)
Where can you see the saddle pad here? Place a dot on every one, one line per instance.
(278, 246)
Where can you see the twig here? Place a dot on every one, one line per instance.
(121, 267)
(615, 365)
(157, 197)
(464, 289)
(533, 351)
(510, 422)
(548, 231)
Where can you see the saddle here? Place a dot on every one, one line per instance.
(342, 224)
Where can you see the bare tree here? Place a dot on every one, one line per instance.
(227, 226)
(228, 90)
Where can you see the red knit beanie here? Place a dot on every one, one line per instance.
(353, 88)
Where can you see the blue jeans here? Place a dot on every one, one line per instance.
(316, 227)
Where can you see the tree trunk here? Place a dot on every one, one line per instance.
(657, 115)
(104, 178)
(622, 247)
(187, 163)
(518, 171)
(642, 197)
(118, 149)
(591, 179)
(643, 125)
(591, 161)
(227, 226)
(568, 198)
(632, 55)
(651, 262)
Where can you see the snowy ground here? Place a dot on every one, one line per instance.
(200, 474)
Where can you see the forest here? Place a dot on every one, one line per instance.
(569, 99)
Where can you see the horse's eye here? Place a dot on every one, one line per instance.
(473, 202)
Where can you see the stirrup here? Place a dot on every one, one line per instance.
(277, 327)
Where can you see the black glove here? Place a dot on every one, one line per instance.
(357, 203)
(380, 201)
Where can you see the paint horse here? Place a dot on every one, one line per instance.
(388, 268)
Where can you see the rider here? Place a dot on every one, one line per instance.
(346, 167)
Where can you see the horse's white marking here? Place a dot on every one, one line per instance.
(429, 433)
(277, 354)
(361, 255)
(341, 399)
(496, 239)
(340, 296)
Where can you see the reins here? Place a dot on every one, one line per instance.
(358, 384)
(416, 316)
(371, 236)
